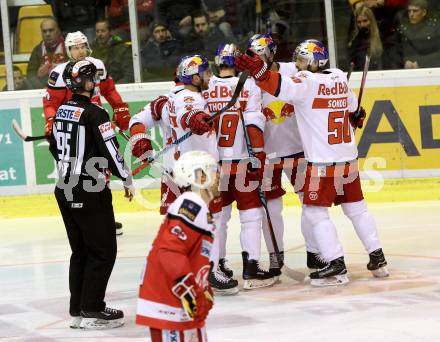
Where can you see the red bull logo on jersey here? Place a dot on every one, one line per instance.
(338, 88)
(278, 111)
(223, 92)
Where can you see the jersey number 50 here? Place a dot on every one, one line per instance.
(338, 128)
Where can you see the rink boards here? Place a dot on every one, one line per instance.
(400, 138)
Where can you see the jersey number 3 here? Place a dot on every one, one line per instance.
(338, 128)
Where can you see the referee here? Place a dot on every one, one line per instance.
(84, 146)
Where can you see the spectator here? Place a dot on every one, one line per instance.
(78, 15)
(119, 18)
(161, 53)
(114, 52)
(217, 17)
(365, 40)
(420, 37)
(176, 15)
(20, 81)
(47, 54)
(203, 38)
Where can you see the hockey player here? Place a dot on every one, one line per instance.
(156, 113)
(284, 149)
(84, 146)
(77, 48)
(175, 297)
(324, 107)
(236, 176)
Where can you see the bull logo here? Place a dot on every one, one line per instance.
(277, 111)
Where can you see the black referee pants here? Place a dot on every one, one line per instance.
(90, 226)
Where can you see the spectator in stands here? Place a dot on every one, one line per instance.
(387, 18)
(365, 40)
(217, 17)
(203, 38)
(47, 54)
(114, 52)
(20, 81)
(176, 15)
(420, 37)
(78, 15)
(161, 53)
(119, 18)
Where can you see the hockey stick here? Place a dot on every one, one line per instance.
(298, 276)
(26, 137)
(361, 90)
(241, 81)
(23, 135)
(350, 70)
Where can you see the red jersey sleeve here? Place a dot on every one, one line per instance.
(108, 90)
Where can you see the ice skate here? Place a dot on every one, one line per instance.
(106, 319)
(333, 275)
(224, 268)
(315, 261)
(118, 226)
(274, 268)
(75, 322)
(377, 264)
(222, 284)
(255, 277)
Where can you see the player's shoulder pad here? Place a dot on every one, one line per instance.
(190, 208)
(287, 68)
(100, 67)
(55, 79)
(187, 100)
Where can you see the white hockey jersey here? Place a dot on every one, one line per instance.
(144, 117)
(182, 102)
(55, 79)
(322, 102)
(281, 135)
(230, 137)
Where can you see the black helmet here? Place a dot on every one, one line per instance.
(77, 73)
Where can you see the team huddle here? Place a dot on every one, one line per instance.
(296, 119)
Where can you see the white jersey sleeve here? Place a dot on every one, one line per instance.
(143, 117)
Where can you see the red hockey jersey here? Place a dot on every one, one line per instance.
(182, 246)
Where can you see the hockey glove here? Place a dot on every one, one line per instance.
(196, 121)
(195, 301)
(121, 116)
(255, 65)
(256, 172)
(156, 107)
(357, 121)
(140, 144)
(48, 127)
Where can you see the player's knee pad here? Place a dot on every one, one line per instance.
(226, 214)
(275, 206)
(313, 215)
(354, 209)
(251, 215)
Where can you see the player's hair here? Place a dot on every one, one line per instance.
(376, 47)
(418, 3)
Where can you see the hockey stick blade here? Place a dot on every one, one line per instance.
(22, 135)
(292, 274)
(241, 81)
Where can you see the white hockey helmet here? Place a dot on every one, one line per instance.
(312, 50)
(186, 167)
(76, 38)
